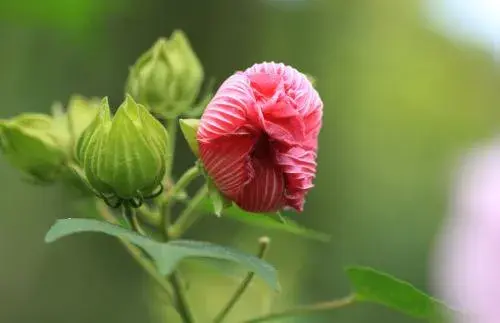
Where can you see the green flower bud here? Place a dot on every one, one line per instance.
(29, 144)
(69, 125)
(124, 157)
(167, 78)
(81, 112)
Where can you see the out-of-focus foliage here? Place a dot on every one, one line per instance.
(402, 103)
(68, 15)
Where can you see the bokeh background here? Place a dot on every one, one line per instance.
(404, 99)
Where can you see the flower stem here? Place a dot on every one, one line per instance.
(152, 217)
(182, 304)
(181, 299)
(189, 216)
(182, 183)
(166, 202)
(172, 134)
(263, 247)
(130, 217)
(306, 309)
(135, 252)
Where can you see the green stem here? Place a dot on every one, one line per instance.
(165, 209)
(182, 304)
(172, 134)
(130, 217)
(182, 183)
(189, 216)
(306, 309)
(135, 252)
(167, 201)
(181, 299)
(149, 216)
(263, 247)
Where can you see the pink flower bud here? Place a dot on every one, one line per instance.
(258, 137)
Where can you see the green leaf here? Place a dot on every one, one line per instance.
(266, 221)
(189, 127)
(373, 286)
(167, 255)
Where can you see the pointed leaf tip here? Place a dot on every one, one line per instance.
(373, 286)
(105, 102)
(189, 128)
(219, 201)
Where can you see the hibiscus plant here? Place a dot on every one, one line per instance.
(255, 142)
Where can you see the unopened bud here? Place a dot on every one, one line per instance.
(124, 156)
(167, 78)
(29, 144)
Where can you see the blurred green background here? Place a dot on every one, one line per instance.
(402, 103)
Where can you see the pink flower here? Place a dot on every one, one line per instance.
(467, 260)
(258, 137)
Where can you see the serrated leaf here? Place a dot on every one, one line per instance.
(374, 286)
(266, 221)
(167, 255)
(189, 127)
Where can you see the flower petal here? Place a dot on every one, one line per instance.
(265, 85)
(265, 192)
(312, 126)
(228, 109)
(258, 137)
(227, 161)
(266, 68)
(299, 167)
(299, 95)
(283, 123)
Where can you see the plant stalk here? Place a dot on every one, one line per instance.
(167, 201)
(135, 252)
(172, 135)
(182, 304)
(263, 248)
(189, 216)
(149, 216)
(306, 309)
(181, 299)
(130, 217)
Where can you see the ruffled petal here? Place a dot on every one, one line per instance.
(265, 192)
(265, 85)
(296, 85)
(266, 68)
(227, 161)
(258, 137)
(299, 95)
(227, 111)
(299, 168)
(283, 123)
(312, 126)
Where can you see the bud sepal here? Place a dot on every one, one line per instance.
(124, 157)
(28, 143)
(189, 128)
(70, 123)
(167, 78)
